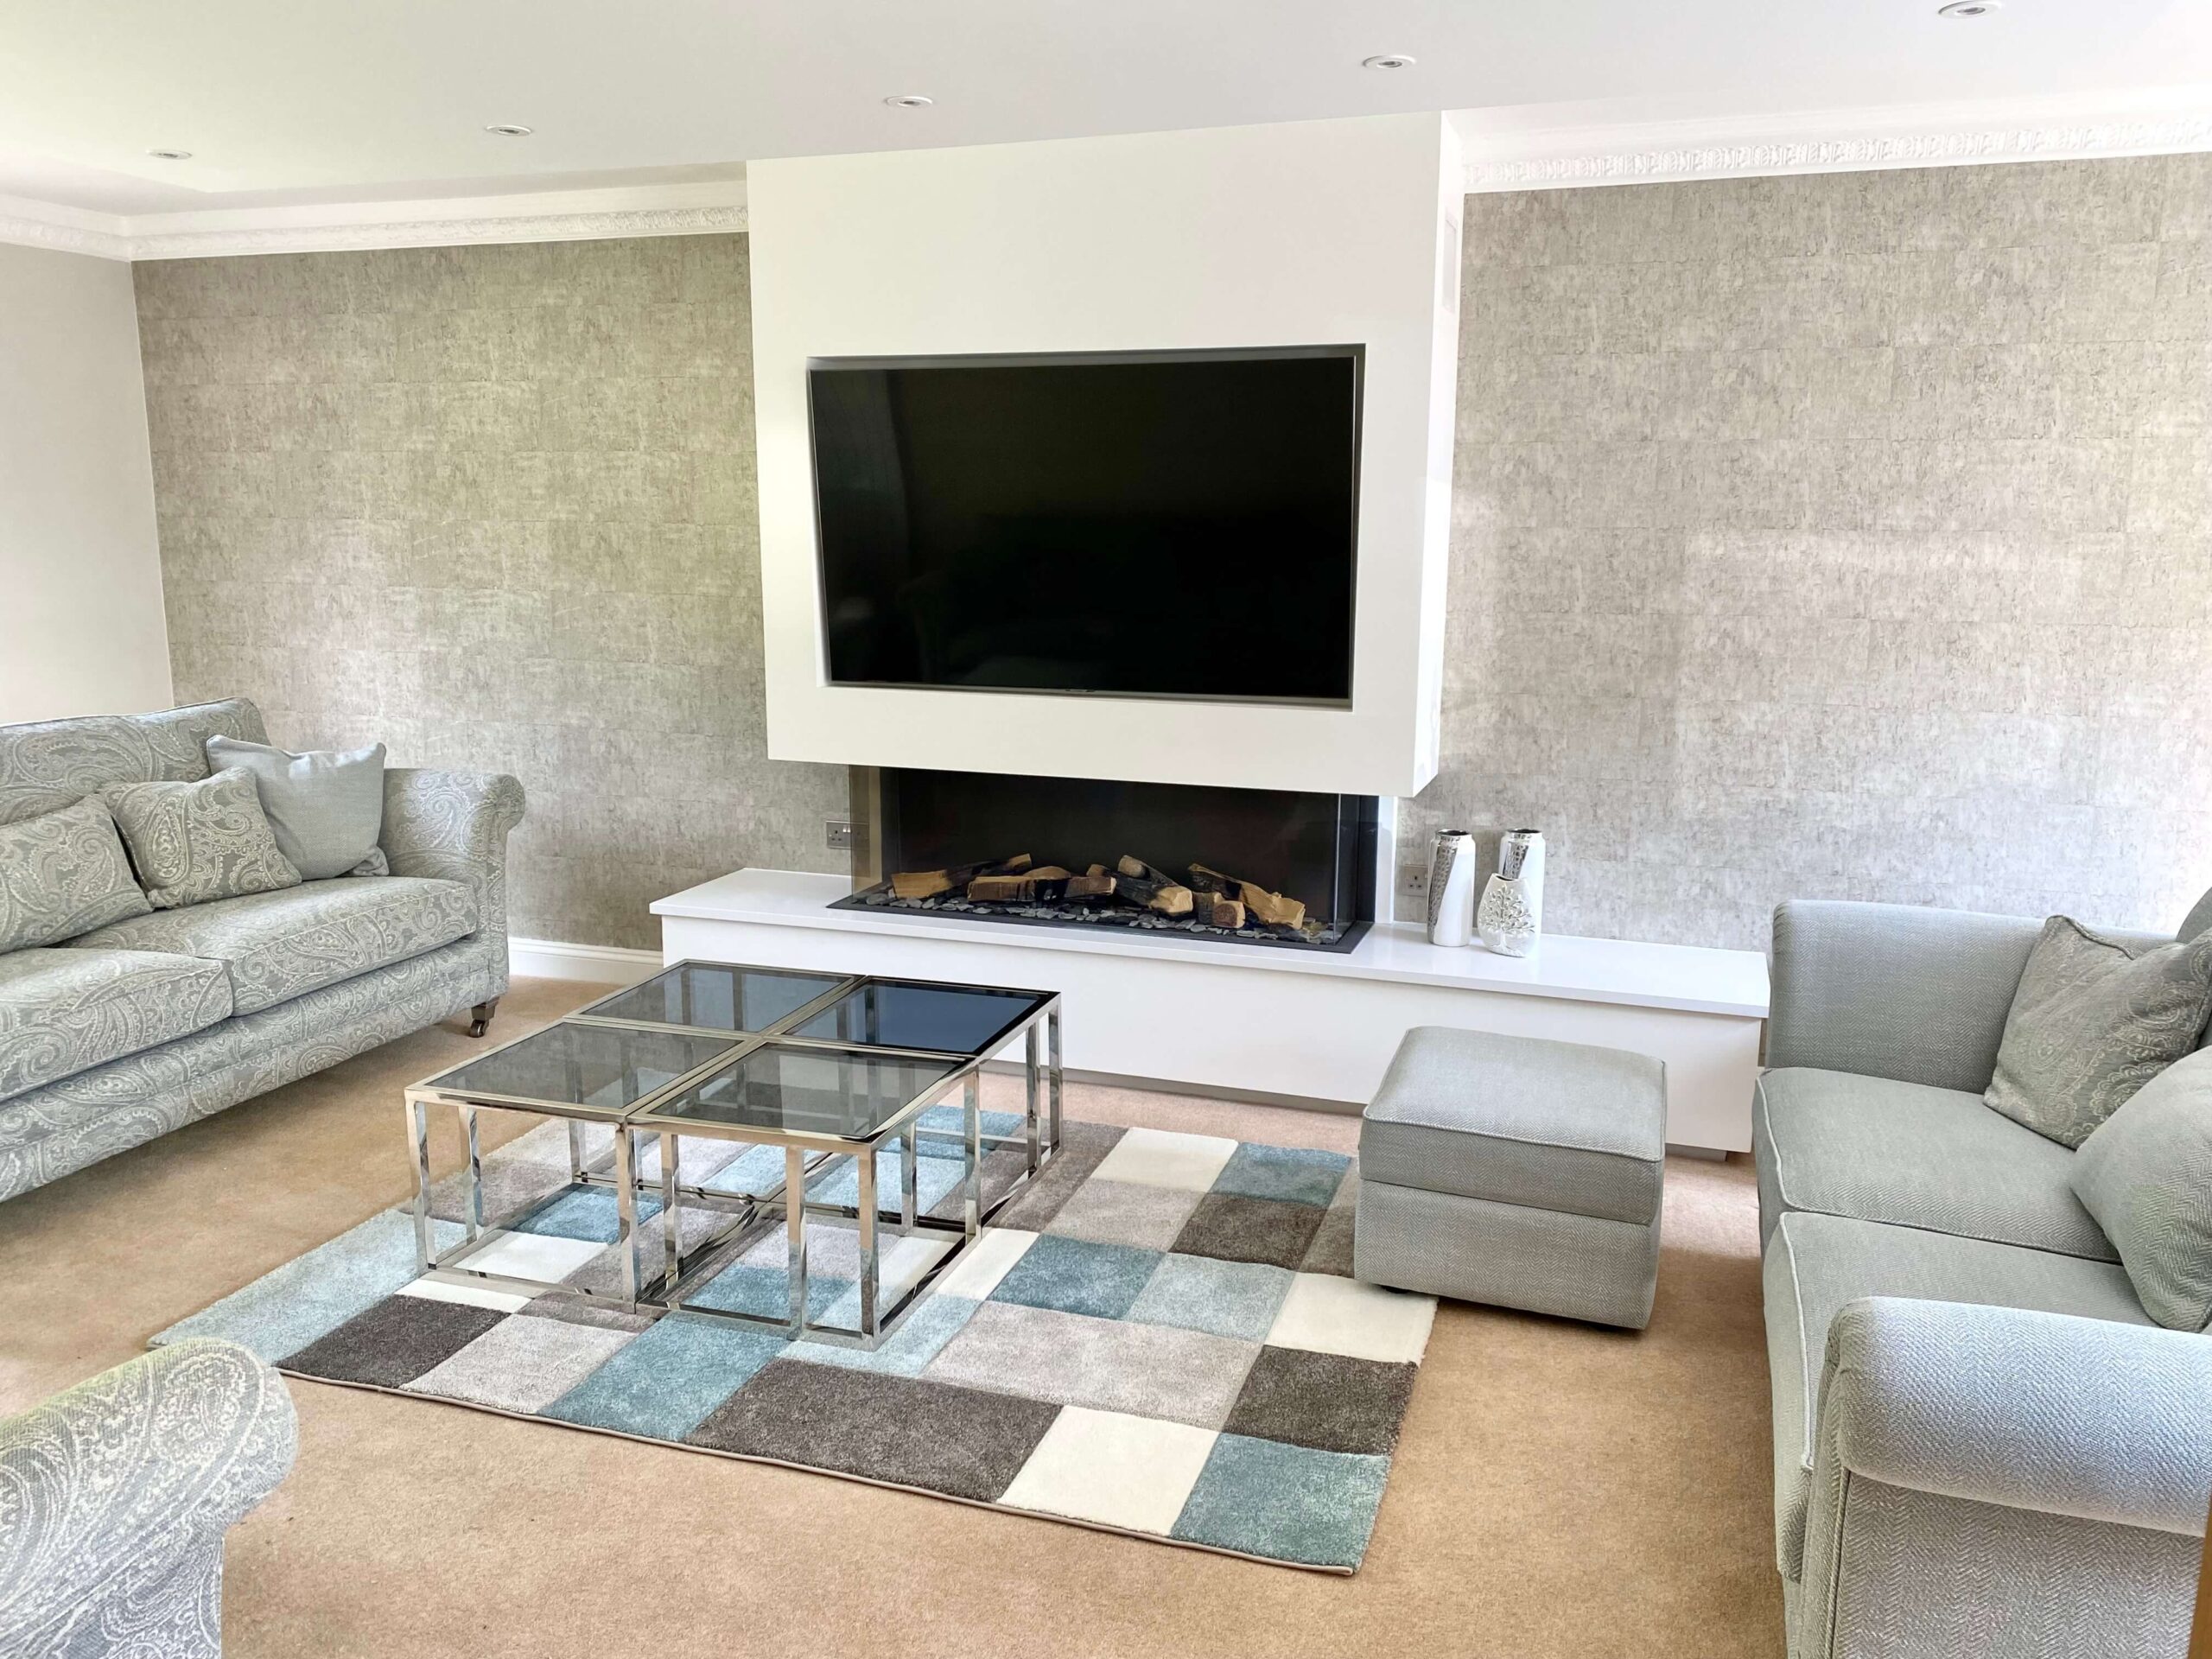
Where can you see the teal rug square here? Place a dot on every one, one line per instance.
(1294, 1174)
(942, 1120)
(1071, 1275)
(756, 1169)
(841, 1183)
(1229, 1298)
(311, 1295)
(1288, 1503)
(591, 1214)
(664, 1382)
(766, 1292)
(935, 1321)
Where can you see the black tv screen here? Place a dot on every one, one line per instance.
(1170, 525)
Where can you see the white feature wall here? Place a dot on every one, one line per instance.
(1325, 232)
(81, 629)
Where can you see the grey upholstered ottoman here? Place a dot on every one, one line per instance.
(1515, 1170)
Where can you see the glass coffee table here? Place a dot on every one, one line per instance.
(822, 1067)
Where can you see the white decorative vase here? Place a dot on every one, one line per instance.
(1452, 888)
(1511, 916)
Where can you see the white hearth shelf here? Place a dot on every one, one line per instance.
(1253, 1019)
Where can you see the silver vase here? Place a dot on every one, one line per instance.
(1510, 917)
(1452, 888)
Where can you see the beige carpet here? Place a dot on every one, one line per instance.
(1559, 1489)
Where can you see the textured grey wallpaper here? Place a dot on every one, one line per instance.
(493, 505)
(1844, 536)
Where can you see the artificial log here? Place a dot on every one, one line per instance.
(1168, 897)
(1097, 884)
(1221, 911)
(1272, 907)
(928, 884)
(1045, 881)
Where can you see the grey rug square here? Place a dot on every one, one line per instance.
(895, 1429)
(1329, 1401)
(1146, 1371)
(393, 1343)
(1123, 1212)
(1234, 1229)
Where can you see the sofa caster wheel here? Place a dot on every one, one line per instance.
(482, 1015)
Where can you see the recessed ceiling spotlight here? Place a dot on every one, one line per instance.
(1968, 7)
(170, 155)
(909, 101)
(1388, 61)
(509, 130)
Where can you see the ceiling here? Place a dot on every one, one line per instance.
(282, 102)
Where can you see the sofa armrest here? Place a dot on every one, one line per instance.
(1894, 990)
(454, 824)
(104, 1487)
(2048, 1412)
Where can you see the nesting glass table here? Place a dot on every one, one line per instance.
(820, 1066)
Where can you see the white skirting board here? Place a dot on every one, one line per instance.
(595, 964)
(1249, 1019)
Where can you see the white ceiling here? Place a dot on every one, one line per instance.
(304, 101)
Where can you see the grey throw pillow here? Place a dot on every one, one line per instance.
(2093, 1022)
(63, 874)
(2146, 1175)
(192, 842)
(326, 807)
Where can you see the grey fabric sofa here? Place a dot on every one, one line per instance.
(125, 1033)
(115, 1497)
(1982, 1444)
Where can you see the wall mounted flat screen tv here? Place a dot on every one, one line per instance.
(1169, 524)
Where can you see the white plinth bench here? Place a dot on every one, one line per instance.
(1253, 1021)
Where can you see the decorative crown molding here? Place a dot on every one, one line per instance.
(1833, 142)
(563, 216)
(65, 230)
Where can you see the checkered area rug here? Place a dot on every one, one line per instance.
(1160, 1338)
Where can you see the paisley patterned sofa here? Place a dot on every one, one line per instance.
(143, 1025)
(115, 1497)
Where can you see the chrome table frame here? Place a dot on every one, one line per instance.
(806, 1154)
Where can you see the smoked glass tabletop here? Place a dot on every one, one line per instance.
(909, 1014)
(718, 996)
(591, 1068)
(781, 1089)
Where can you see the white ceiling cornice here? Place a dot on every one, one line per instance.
(1500, 158)
(549, 216)
(66, 229)
(1835, 142)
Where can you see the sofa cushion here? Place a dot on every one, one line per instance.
(63, 874)
(325, 807)
(196, 843)
(2146, 1175)
(1840, 1144)
(2094, 1020)
(277, 945)
(1562, 1127)
(1816, 1263)
(67, 1011)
